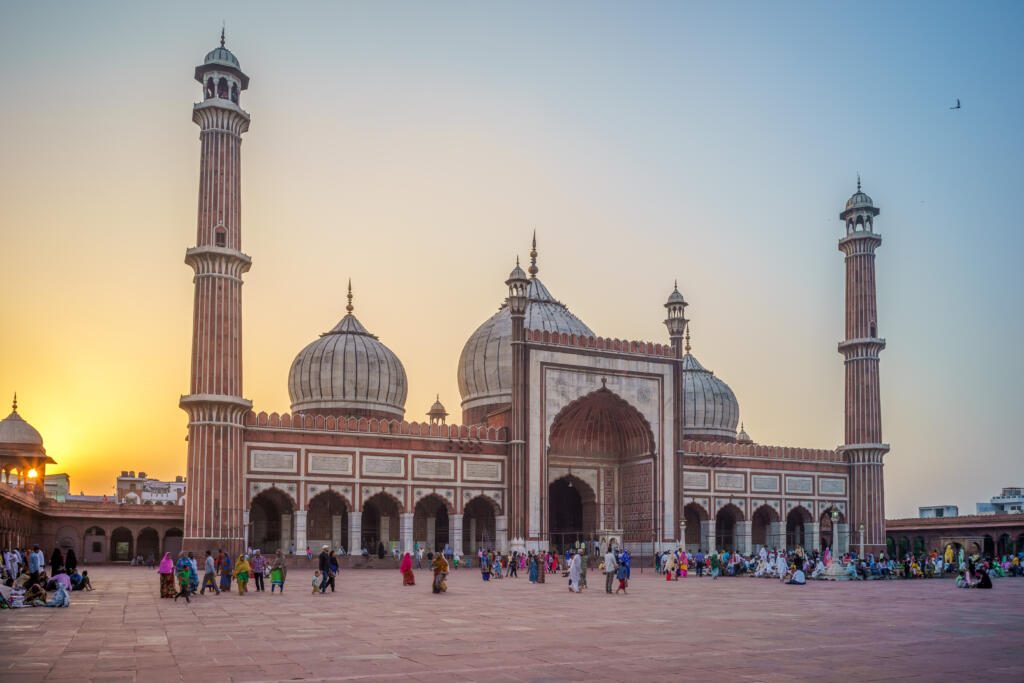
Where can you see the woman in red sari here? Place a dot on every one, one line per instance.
(408, 578)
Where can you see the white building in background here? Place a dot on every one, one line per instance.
(933, 511)
(57, 486)
(1009, 501)
(145, 490)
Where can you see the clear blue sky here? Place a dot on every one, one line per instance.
(711, 142)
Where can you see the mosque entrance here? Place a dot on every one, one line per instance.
(600, 444)
(571, 513)
(270, 516)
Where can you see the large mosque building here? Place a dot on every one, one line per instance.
(566, 435)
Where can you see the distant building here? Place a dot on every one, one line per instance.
(144, 490)
(933, 511)
(1011, 500)
(57, 486)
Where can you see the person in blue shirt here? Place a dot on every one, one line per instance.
(626, 561)
(35, 564)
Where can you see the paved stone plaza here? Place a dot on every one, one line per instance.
(374, 629)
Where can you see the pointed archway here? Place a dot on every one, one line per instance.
(609, 444)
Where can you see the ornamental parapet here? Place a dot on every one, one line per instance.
(640, 348)
(724, 448)
(321, 423)
(222, 261)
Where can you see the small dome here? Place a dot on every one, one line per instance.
(517, 273)
(675, 297)
(14, 430)
(437, 408)
(743, 437)
(222, 55)
(710, 409)
(859, 200)
(485, 365)
(348, 371)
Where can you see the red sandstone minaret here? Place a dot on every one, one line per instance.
(863, 448)
(215, 502)
(518, 299)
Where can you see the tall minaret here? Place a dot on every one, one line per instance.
(677, 325)
(215, 501)
(863, 448)
(518, 299)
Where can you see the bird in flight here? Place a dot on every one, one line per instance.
(957, 104)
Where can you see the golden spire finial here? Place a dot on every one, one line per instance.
(687, 347)
(533, 256)
(14, 403)
(858, 182)
(349, 307)
(223, 26)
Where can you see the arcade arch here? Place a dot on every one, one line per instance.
(761, 524)
(479, 524)
(327, 520)
(380, 522)
(121, 545)
(148, 544)
(572, 512)
(726, 521)
(695, 516)
(797, 520)
(270, 520)
(430, 523)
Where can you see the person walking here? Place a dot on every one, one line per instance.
(698, 561)
(243, 571)
(324, 566)
(278, 572)
(440, 566)
(408, 578)
(166, 572)
(209, 575)
(611, 565)
(259, 566)
(574, 573)
(333, 566)
(183, 569)
(513, 565)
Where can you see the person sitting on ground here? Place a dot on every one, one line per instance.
(35, 595)
(61, 598)
(984, 579)
(798, 578)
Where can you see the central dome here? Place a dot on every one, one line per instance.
(15, 431)
(485, 366)
(348, 372)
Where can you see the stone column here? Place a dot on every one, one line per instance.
(405, 532)
(812, 536)
(707, 535)
(455, 532)
(842, 534)
(743, 531)
(247, 528)
(682, 532)
(335, 531)
(776, 535)
(501, 533)
(355, 533)
(431, 533)
(300, 535)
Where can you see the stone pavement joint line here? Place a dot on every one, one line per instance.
(373, 628)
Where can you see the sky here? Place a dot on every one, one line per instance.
(415, 147)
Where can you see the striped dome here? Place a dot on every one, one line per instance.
(710, 409)
(485, 366)
(348, 371)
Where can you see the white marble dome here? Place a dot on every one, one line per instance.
(348, 371)
(710, 409)
(14, 430)
(222, 55)
(485, 365)
(859, 200)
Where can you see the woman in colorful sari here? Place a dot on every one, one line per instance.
(408, 578)
(684, 563)
(166, 571)
(242, 570)
(533, 568)
(225, 574)
(440, 566)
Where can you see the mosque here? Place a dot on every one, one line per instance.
(566, 435)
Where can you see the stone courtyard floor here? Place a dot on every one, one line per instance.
(374, 629)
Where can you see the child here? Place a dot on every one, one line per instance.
(961, 580)
(316, 582)
(620, 574)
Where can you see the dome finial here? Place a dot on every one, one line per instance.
(533, 256)
(687, 347)
(14, 403)
(223, 27)
(858, 181)
(349, 307)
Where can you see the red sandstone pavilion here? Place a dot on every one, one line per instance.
(568, 435)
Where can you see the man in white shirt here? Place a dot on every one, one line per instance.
(610, 565)
(798, 578)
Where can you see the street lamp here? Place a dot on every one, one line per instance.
(835, 532)
(861, 531)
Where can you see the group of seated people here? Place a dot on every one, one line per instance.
(22, 587)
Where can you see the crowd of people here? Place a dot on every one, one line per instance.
(25, 582)
(180, 578)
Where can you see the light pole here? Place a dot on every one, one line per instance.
(835, 571)
(861, 532)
